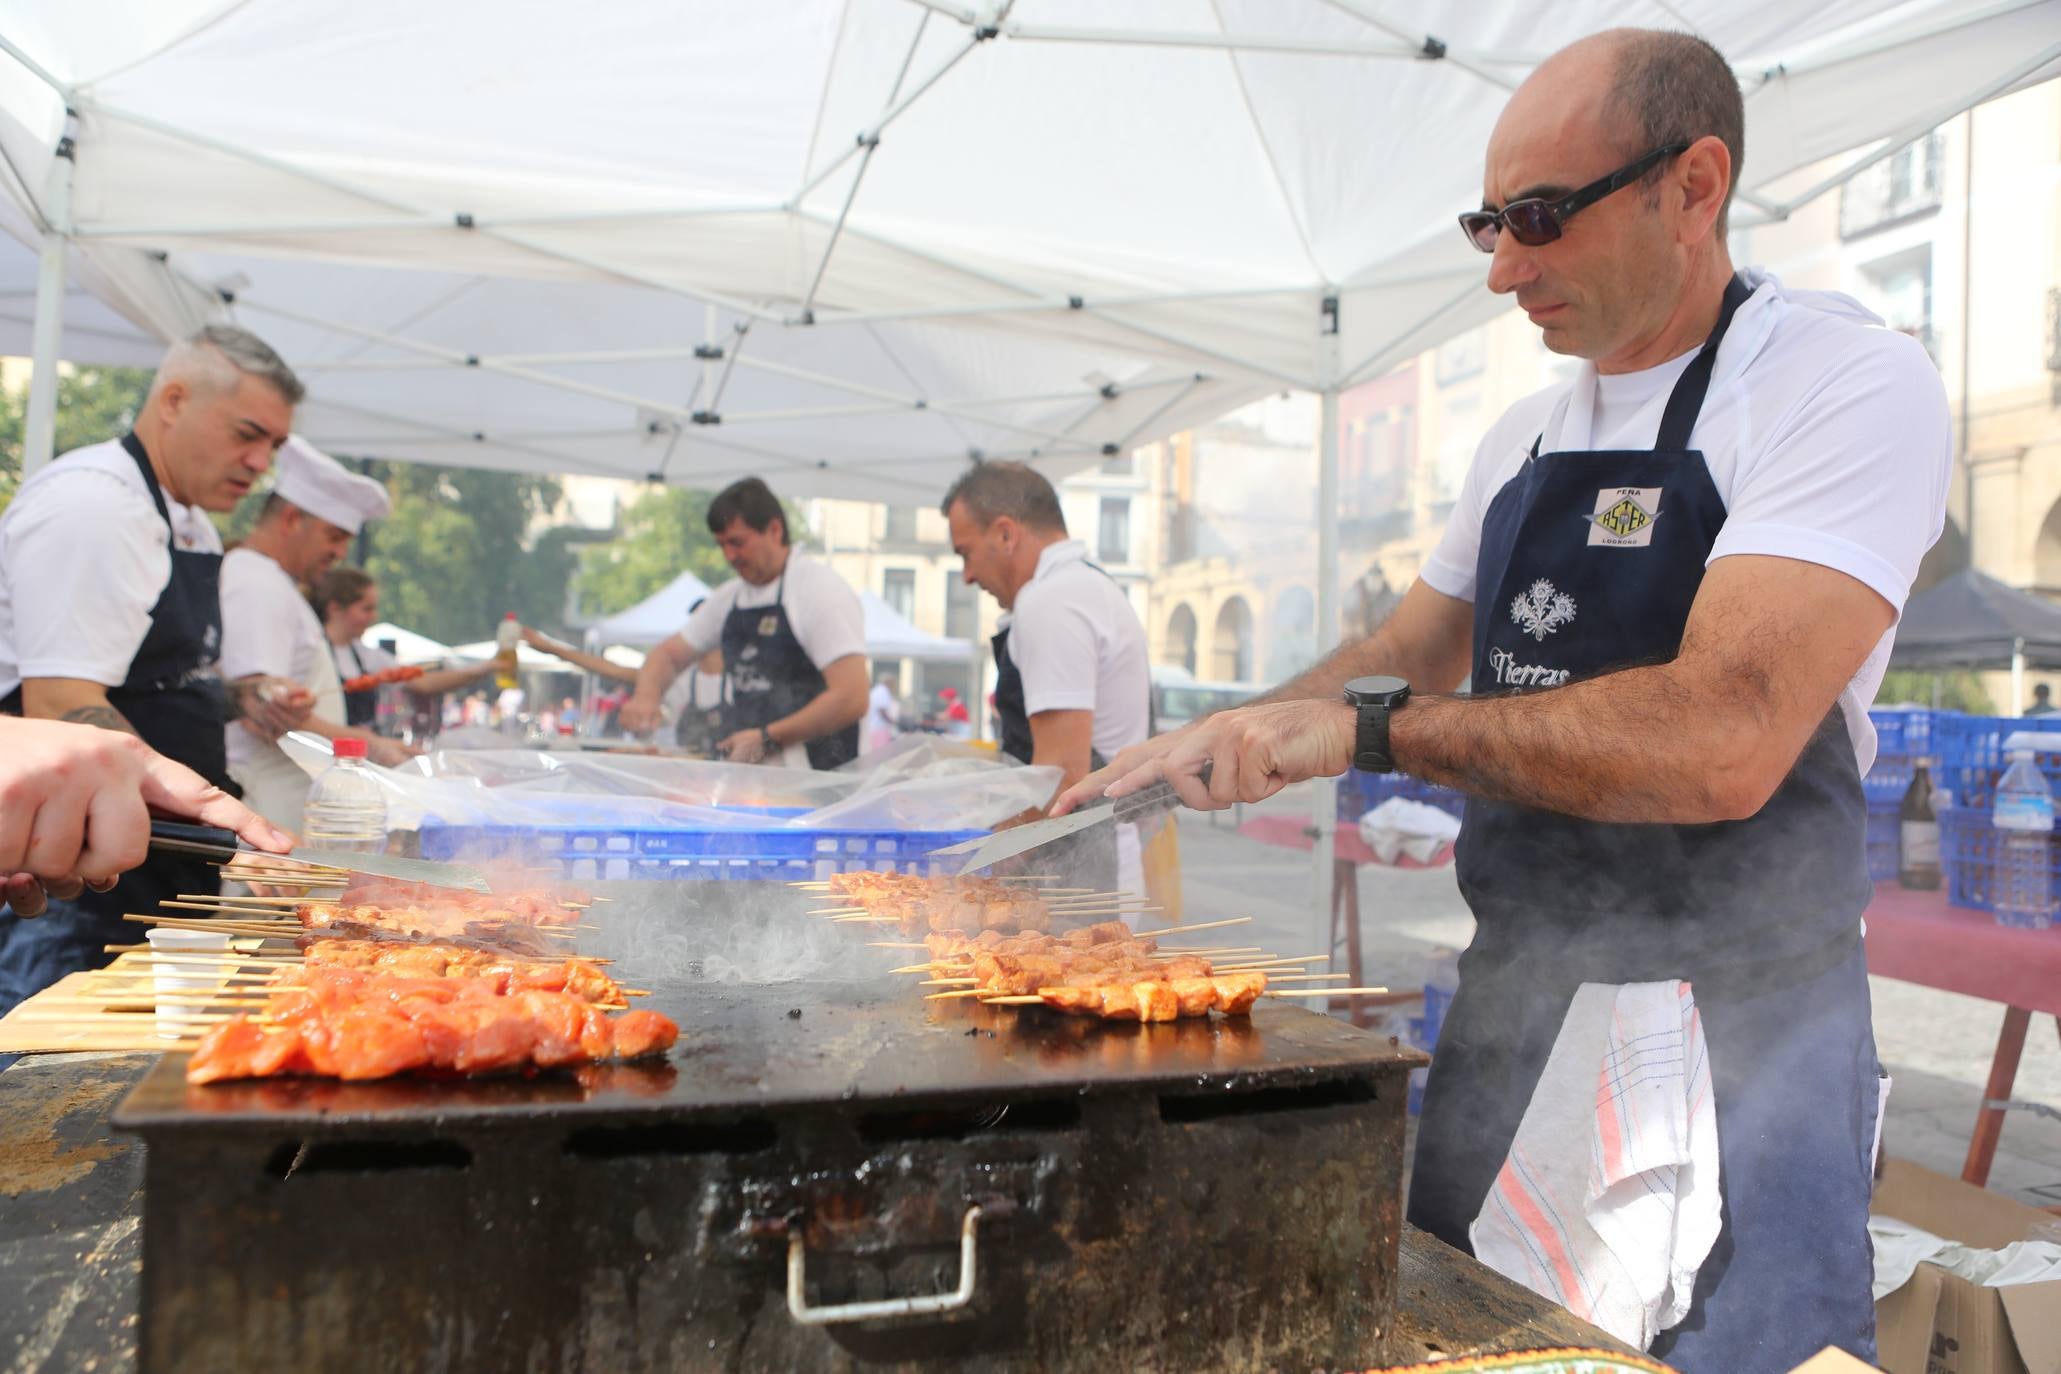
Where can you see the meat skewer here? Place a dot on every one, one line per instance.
(347, 1023)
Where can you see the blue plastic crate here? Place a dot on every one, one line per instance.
(1885, 845)
(1904, 733)
(1888, 780)
(590, 853)
(1971, 754)
(1359, 793)
(1968, 856)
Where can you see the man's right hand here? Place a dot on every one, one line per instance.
(272, 706)
(640, 715)
(73, 809)
(1126, 762)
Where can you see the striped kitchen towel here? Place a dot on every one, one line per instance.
(1608, 1201)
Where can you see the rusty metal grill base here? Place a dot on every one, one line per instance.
(1161, 1197)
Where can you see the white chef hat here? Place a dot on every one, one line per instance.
(325, 489)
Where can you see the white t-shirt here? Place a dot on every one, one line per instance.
(1079, 646)
(83, 559)
(1827, 436)
(822, 610)
(267, 627)
(881, 711)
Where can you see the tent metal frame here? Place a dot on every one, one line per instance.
(983, 23)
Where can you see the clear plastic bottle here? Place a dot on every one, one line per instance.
(2022, 887)
(346, 806)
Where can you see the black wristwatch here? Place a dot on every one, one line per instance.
(766, 740)
(1374, 698)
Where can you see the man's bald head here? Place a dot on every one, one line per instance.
(1635, 275)
(1635, 90)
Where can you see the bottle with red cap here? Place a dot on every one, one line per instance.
(346, 806)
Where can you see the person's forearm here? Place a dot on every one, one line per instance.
(657, 674)
(593, 663)
(827, 712)
(446, 680)
(74, 700)
(1642, 745)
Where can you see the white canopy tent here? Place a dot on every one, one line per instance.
(890, 634)
(849, 245)
(410, 648)
(654, 618)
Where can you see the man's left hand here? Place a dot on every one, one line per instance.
(746, 746)
(1253, 752)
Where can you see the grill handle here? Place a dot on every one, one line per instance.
(805, 1315)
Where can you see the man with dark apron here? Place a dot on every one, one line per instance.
(222, 381)
(1673, 581)
(1082, 689)
(793, 637)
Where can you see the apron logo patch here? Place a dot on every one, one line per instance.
(769, 624)
(1624, 517)
(1542, 610)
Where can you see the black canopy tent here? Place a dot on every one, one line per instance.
(1974, 621)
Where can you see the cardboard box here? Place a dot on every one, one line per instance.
(1939, 1323)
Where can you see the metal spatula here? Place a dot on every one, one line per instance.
(212, 843)
(1021, 839)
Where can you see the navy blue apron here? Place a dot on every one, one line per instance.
(361, 708)
(700, 727)
(768, 676)
(175, 700)
(1590, 562)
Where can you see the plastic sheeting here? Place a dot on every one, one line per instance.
(932, 785)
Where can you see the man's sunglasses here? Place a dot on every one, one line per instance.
(1533, 221)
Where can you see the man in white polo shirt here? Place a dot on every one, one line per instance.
(1072, 681)
(109, 612)
(793, 636)
(269, 628)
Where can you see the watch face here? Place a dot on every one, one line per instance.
(1378, 691)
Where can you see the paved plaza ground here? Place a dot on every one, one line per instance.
(1935, 1045)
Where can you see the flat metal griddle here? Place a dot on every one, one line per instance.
(1220, 1193)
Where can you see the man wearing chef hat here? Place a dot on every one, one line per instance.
(315, 509)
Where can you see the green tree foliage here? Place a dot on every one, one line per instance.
(93, 403)
(1956, 691)
(451, 559)
(664, 534)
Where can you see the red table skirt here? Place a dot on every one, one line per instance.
(1916, 937)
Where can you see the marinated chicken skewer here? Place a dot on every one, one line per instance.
(573, 976)
(347, 1023)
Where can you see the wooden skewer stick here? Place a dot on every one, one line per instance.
(1326, 992)
(248, 901)
(1203, 925)
(956, 992)
(1273, 978)
(947, 982)
(1028, 999)
(261, 928)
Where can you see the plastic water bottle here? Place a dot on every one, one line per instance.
(346, 807)
(2022, 893)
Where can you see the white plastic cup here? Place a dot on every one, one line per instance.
(177, 968)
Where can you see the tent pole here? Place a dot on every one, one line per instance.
(2018, 677)
(39, 438)
(1324, 798)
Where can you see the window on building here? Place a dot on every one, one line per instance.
(901, 524)
(1113, 542)
(962, 606)
(898, 590)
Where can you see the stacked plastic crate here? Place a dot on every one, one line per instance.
(1971, 760)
